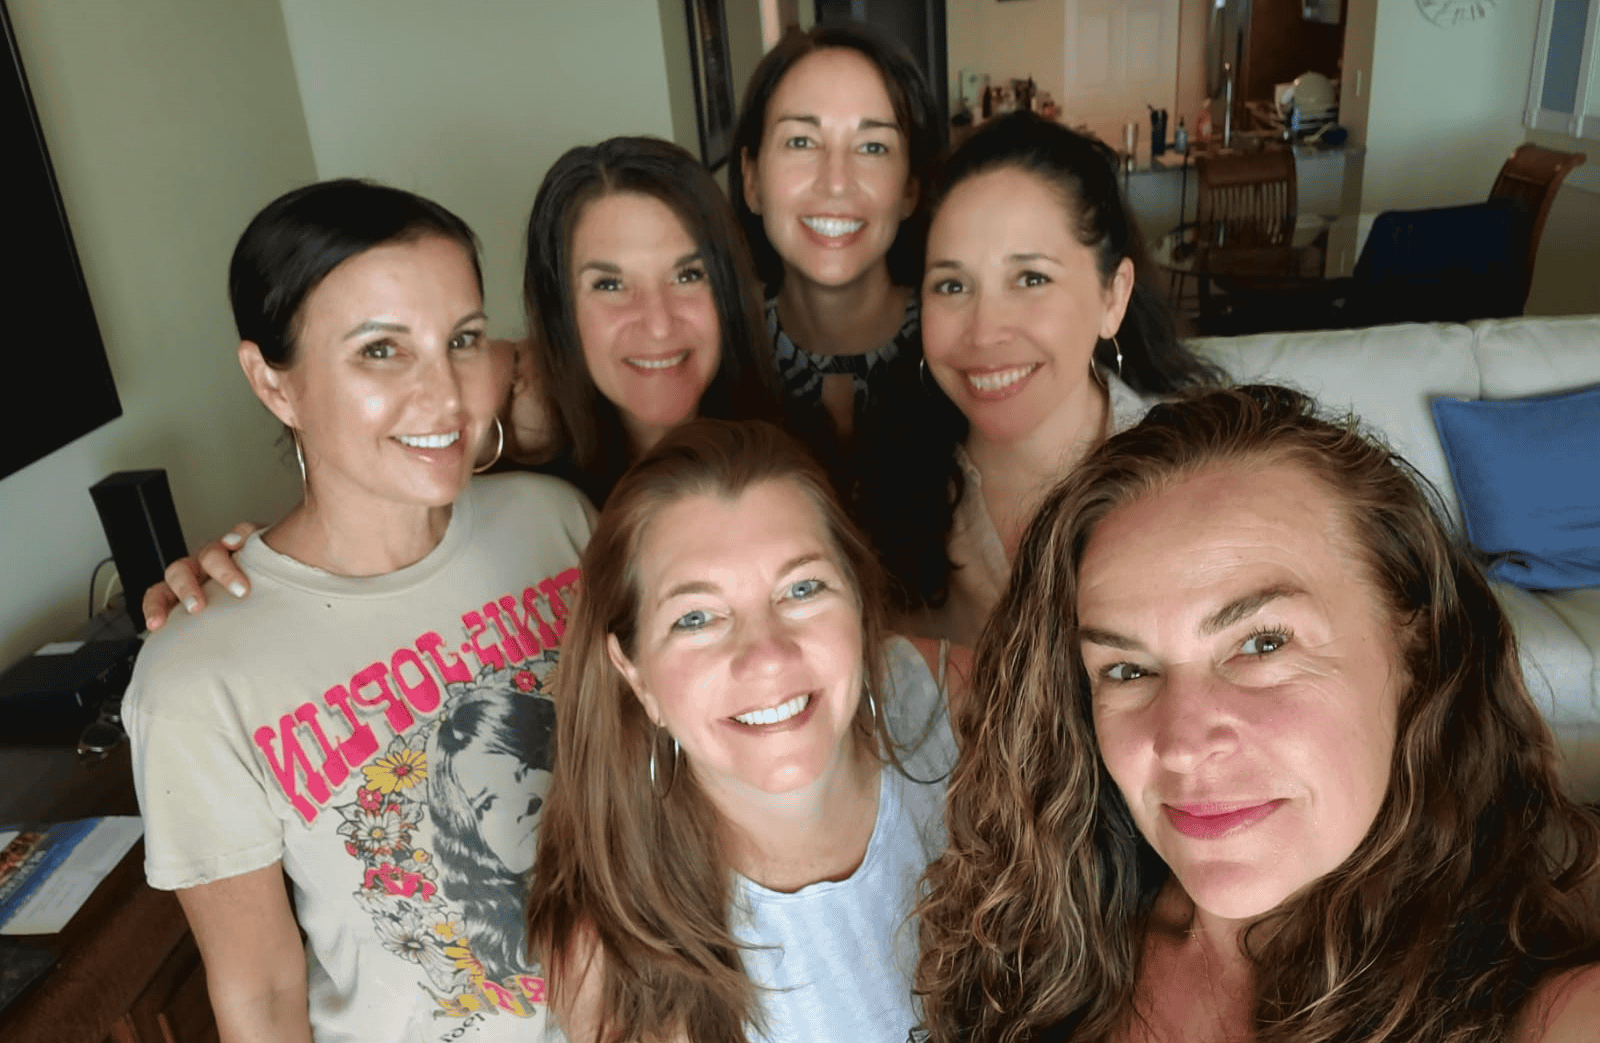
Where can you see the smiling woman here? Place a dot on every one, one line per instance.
(646, 307)
(1248, 755)
(361, 725)
(751, 774)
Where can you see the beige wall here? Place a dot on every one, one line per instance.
(1007, 41)
(469, 102)
(169, 122)
(1566, 274)
(1445, 105)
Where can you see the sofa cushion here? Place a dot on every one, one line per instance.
(1519, 357)
(1557, 665)
(1386, 375)
(1527, 474)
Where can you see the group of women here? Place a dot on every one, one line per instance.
(1243, 751)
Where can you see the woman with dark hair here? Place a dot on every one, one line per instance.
(643, 310)
(290, 735)
(751, 774)
(1249, 756)
(646, 306)
(834, 154)
(1041, 337)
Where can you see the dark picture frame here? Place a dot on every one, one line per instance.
(713, 79)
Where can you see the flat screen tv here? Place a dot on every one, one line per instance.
(57, 382)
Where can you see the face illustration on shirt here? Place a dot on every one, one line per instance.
(506, 794)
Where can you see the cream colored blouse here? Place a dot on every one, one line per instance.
(981, 566)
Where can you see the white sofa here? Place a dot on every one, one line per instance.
(1387, 375)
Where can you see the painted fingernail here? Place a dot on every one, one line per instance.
(236, 589)
(191, 605)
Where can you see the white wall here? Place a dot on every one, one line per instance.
(1445, 105)
(469, 102)
(169, 123)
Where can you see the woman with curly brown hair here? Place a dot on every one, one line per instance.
(1248, 756)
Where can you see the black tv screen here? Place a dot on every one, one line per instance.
(57, 380)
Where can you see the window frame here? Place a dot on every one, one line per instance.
(1579, 123)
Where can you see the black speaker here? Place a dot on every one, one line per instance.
(142, 528)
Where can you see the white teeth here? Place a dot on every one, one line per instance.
(999, 379)
(666, 363)
(832, 227)
(428, 441)
(774, 714)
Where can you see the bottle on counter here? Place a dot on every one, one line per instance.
(1180, 137)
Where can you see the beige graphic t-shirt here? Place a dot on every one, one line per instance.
(387, 739)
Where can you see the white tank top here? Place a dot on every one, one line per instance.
(835, 959)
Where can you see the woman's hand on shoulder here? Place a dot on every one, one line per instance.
(184, 580)
(529, 430)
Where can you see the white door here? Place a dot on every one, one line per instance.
(1121, 57)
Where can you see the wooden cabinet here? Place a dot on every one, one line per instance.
(173, 1008)
(126, 969)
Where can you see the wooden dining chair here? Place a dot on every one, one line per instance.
(1247, 199)
(1531, 177)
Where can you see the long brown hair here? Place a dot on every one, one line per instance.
(1475, 882)
(647, 869)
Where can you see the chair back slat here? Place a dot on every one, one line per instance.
(1531, 177)
(1247, 200)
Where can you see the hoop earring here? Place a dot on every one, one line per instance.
(872, 707)
(499, 447)
(1094, 370)
(922, 373)
(653, 773)
(299, 457)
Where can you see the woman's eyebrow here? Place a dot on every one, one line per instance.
(1109, 639)
(1251, 603)
(377, 326)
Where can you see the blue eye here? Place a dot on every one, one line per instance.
(1264, 642)
(806, 588)
(692, 620)
(875, 148)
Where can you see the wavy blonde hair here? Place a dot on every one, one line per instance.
(647, 870)
(1475, 882)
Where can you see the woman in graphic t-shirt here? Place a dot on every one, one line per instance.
(358, 725)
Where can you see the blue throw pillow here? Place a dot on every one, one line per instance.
(1527, 472)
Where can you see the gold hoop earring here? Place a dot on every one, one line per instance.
(499, 447)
